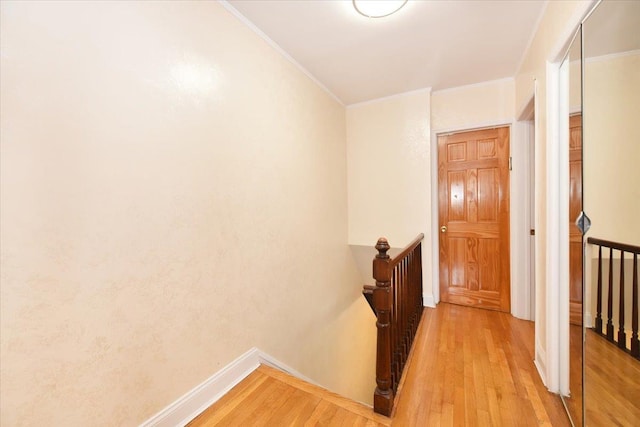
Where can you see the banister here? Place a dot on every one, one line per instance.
(396, 300)
(367, 291)
(411, 246)
(614, 245)
(621, 342)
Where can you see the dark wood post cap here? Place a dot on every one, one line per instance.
(382, 246)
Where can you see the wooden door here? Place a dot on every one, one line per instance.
(473, 193)
(575, 207)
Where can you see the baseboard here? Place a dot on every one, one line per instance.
(588, 320)
(268, 360)
(428, 301)
(193, 403)
(540, 364)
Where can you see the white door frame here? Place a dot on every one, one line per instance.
(522, 220)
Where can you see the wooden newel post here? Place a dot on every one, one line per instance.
(383, 396)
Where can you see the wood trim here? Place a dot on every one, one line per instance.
(615, 245)
(411, 246)
(398, 304)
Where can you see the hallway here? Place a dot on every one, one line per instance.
(469, 367)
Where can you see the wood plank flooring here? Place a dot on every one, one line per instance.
(612, 384)
(468, 367)
(574, 401)
(474, 367)
(268, 397)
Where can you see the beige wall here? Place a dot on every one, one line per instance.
(610, 160)
(389, 173)
(173, 193)
(612, 147)
(388, 158)
(473, 106)
(395, 200)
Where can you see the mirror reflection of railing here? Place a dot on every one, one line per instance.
(617, 287)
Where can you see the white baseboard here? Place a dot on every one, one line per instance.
(194, 402)
(428, 301)
(540, 364)
(588, 320)
(268, 360)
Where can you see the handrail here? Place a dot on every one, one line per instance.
(615, 245)
(396, 300)
(621, 339)
(411, 246)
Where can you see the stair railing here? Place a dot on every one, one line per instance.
(617, 287)
(397, 302)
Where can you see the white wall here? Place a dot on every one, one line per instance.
(173, 192)
(388, 152)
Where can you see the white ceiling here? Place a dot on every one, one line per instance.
(428, 43)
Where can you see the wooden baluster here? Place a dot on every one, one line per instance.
(383, 395)
(610, 299)
(622, 336)
(402, 324)
(412, 303)
(403, 303)
(409, 302)
(403, 280)
(396, 328)
(635, 344)
(419, 302)
(418, 291)
(599, 303)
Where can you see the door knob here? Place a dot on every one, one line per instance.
(443, 229)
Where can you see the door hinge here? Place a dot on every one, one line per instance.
(510, 163)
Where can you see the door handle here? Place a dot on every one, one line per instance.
(443, 229)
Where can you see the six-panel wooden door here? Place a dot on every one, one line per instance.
(473, 193)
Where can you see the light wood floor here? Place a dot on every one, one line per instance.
(574, 401)
(612, 384)
(269, 397)
(474, 367)
(469, 367)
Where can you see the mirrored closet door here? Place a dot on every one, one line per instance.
(572, 70)
(611, 198)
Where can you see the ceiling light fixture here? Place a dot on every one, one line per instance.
(378, 8)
